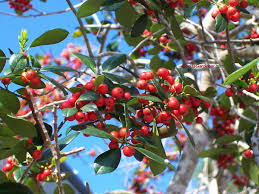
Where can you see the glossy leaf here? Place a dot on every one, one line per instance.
(87, 61)
(228, 139)
(112, 5)
(2, 60)
(107, 161)
(18, 62)
(139, 26)
(89, 7)
(89, 96)
(240, 72)
(89, 107)
(149, 98)
(67, 112)
(67, 189)
(9, 103)
(190, 90)
(18, 174)
(97, 133)
(122, 15)
(146, 140)
(250, 169)
(50, 37)
(160, 90)
(116, 78)
(215, 152)
(113, 62)
(221, 23)
(58, 68)
(98, 80)
(210, 92)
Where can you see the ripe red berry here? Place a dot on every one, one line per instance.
(29, 141)
(142, 84)
(248, 154)
(231, 11)
(163, 72)
(253, 87)
(215, 13)
(102, 89)
(92, 116)
(144, 130)
(143, 75)
(128, 151)
(223, 8)
(99, 102)
(148, 118)
(173, 103)
(170, 79)
(149, 75)
(7, 167)
(178, 87)
(244, 3)
(117, 92)
(37, 154)
(9, 159)
(151, 88)
(122, 132)
(183, 109)
(36, 81)
(47, 172)
(109, 101)
(127, 95)
(229, 92)
(199, 120)
(233, 3)
(6, 80)
(164, 115)
(72, 100)
(71, 118)
(115, 134)
(235, 17)
(163, 39)
(80, 116)
(23, 77)
(146, 111)
(89, 86)
(40, 177)
(113, 145)
(31, 74)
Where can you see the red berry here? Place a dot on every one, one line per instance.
(149, 75)
(248, 154)
(123, 132)
(37, 154)
(7, 167)
(173, 103)
(183, 109)
(109, 101)
(142, 84)
(113, 145)
(178, 87)
(163, 39)
(146, 111)
(99, 102)
(31, 74)
(229, 92)
(47, 172)
(253, 87)
(128, 151)
(6, 80)
(92, 116)
(235, 17)
(148, 118)
(89, 86)
(9, 159)
(23, 77)
(144, 130)
(233, 3)
(107, 116)
(29, 141)
(215, 13)
(165, 116)
(36, 81)
(102, 89)
(115, 134)
(40, 177)
(127, 95)
(151, 88)
(244, 3)
(72, 100)
(117, 92)
(71, 118)
(143, 76)
(199, 120)
(80, 116)
(170, 79)
(163, 72)
(223, 8)
(231, 11)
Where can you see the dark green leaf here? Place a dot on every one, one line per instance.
(7, 142)
(9, 103)
(250, 169)
(98, 80)
(240, 83)
(174, 24)
(113, 62)
(190, 90)
(178, 144)
(3, 177)
(34, 62)
(107, 161)
(122, 15)
(228, 139)
(148, 97)
(146, 140)
(240, 72)
(2, 60)
(50, 37)
(89, 107)
(5, 131)
(215, 152)
(89, 96)
(18, 62)
(97, 133)
(228, 64)
(127, 120)
(18, 174)
(89, 7)
(115, 78)
(58, 68)
(210, 92)
(32, 184)
(190, 116)
(221, 23)
(139, 156)
(241, 9)
(189, 10)
(38, 139)
(20, 126)
(112, 5)
(67, 189)
(18, 188)
(86, 60)
(139, 26)
(160, 90)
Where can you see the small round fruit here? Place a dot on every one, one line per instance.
(183, 109)
(6, 80)
(142, 84)
(117, 92)
(31, 74)
(115, 134)
(199, 120)
(229, 92)
(233, 3)
(80, 116)
(29, 141)
(102, 89)
(36, 81)
(253, 87)
(127, 95)
(163, 72)
(37, 154)
(173, 104)
(122, 132)
(163, 39)
(223, 8)
(113, 145)
(231, 11)
(47, 172)
(144, 130)
(40, 177)
(248, 154)
(178, 87)
(7, 167)
(215, 13)
(244, 4)
(89, 86)
(128, 151)
(151, 88)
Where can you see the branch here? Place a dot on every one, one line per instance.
(26, 171)
(73, 152)
(251, 95)
(81, 28)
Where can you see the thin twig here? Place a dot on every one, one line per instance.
(26, 171)
(72, 152)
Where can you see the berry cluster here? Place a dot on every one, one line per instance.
(10, 163)
(240, 181)
(20, 5)
(230, 11)
(45, 172)
(224, 160)
(30, 76)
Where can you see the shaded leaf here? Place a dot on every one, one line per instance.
(89, 62)
(97, 133)
(139, 26)
(89, 96)
(89, 107)
(113, 62)
(89, 7)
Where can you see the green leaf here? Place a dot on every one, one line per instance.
(250, 169)
(5, 131)
(38, 141)
(240, 83)
(58, 68)
(228, 64)
(67, 112)
(146, 140)
(34, 62)
(20, 126)
(245, 124)
(32, 184)
(241, 9)
(18, 188)
(113, 62)
(98, 80)
(9, 103)
(54, 82)
(189, 10)
(3, 177)
(127, 120)
(50, 37)
(210, 92)
(89, 7)
(122, 15)
(18, 174)
(156, 167)
(190, 116)
(67, 189)
(149, 98)
(18, 62)
(107, 161)
(226, 139)
(115, 78)
(89, 107)
(240, 72)
(190, 90)
(221, 23)
(8, 142)
(215, 152)
(97, 133)
(2, 60)
(112, 5)
(139, 26)
(89, 62)
(160, 90)
(89, 96)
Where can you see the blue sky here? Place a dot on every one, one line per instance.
(11, 28)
